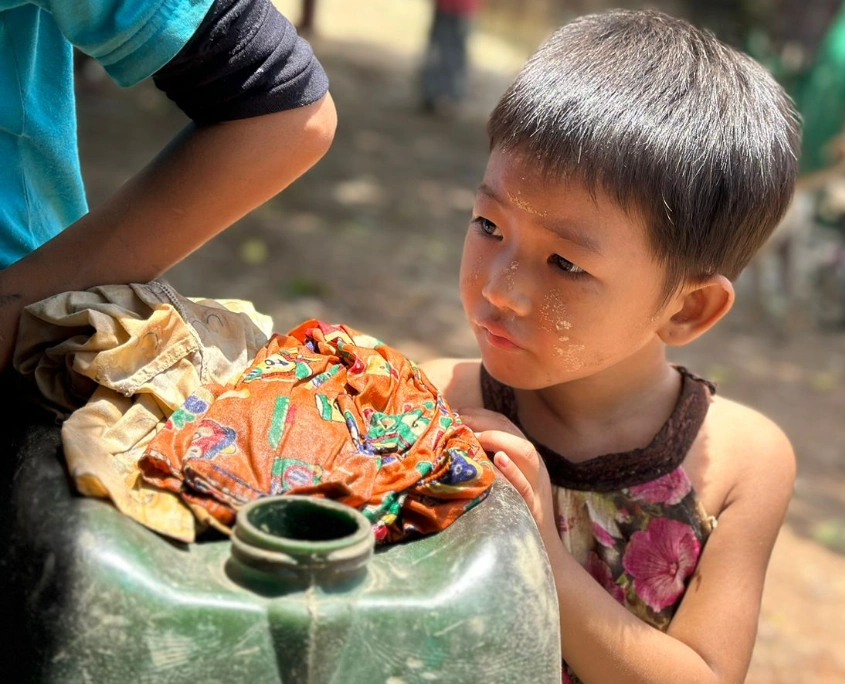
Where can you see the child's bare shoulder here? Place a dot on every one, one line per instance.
(751, 452)
(739, 427)
(458, 379)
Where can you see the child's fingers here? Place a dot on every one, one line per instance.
(516, 447)
(515, 476)
(480, 420)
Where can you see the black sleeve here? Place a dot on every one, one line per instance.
(244, 60)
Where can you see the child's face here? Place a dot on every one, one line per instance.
(557, 285)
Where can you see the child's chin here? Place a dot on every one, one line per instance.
(508, 373)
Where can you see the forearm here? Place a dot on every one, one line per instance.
(600, 639)
(207, 179)
(605, 644)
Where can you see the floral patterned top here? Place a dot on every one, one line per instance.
(632, 519)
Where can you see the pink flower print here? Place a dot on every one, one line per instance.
(565, 678)
(602, 536)
(623, 515)
(564, 524)
(659, 559)
(669, 489)
(601, 572)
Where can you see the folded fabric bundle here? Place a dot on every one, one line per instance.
(330, 412)
(113, 363)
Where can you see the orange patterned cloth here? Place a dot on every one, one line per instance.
(330, 412)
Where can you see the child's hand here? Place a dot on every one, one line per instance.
(518, 460)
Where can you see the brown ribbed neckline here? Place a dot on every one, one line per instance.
(625, 469)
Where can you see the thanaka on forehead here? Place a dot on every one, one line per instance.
(518, 200)
(565, 229)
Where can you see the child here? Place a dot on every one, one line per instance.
(636, 166)
(261, 116)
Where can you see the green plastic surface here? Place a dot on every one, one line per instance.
(107, 600)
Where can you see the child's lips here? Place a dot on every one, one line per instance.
(498, 336)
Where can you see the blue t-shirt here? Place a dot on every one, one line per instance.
(41, 190)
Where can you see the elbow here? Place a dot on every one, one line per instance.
(320, 128)
(276, 149)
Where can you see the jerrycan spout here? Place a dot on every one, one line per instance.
(298, 551)
(288, 543)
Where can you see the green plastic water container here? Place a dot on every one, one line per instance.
(298, 595)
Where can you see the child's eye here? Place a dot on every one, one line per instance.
(565, 265)
(486, 226)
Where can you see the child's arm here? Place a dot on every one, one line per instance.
(712, 635)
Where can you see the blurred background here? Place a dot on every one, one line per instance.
(371, 237)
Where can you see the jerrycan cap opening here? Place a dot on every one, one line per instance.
(298, 536)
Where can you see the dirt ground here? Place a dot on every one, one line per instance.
(371, 237)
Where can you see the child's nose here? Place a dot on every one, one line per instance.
(507, 288)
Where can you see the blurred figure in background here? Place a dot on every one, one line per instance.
(805, 50)
(444, 76)
(306, 17)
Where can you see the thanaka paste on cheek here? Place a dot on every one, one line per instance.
(553, 312)
(571, 356)
(553, 318)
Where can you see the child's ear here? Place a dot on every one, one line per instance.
(696, 309)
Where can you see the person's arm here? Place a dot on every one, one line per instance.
(255, 138)
(711, 637)
(207, 179)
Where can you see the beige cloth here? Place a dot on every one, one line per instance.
(115, 361)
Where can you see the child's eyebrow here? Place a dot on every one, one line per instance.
(562, 228)
(490, 192)
(565, 230)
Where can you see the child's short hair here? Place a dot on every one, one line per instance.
(691, 135)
